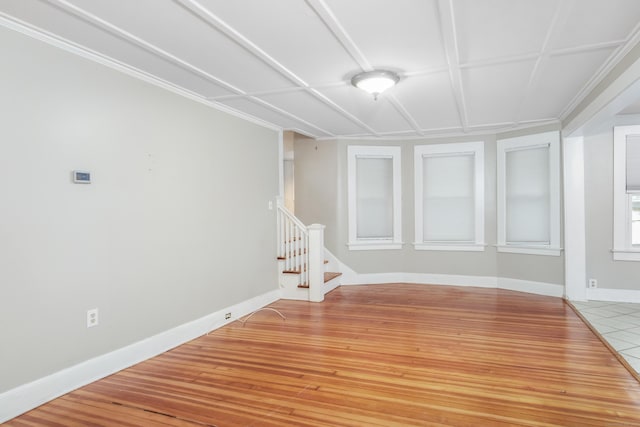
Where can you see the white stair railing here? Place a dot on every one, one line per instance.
(293, 245)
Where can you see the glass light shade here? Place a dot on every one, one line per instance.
(375, 82)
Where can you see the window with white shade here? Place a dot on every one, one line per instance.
(449, 196)
(626, 193)
(528, 194)
(374, 197)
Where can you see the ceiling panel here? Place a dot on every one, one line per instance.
(54, 20)
(302, 44)
(500, 28)
(464, 64)
(494, 93)
(597, 21)
(400, 35)
(378, 114)
(429, 100)
(561, 78)
(633, 108)
(309, 108)
(196, 43)
(256, 109)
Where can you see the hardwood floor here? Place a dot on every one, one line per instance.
(380, 355)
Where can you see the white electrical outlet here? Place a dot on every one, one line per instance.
(593, 283)
(92, 318)
(227, 316)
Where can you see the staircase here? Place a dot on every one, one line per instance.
(303, 269)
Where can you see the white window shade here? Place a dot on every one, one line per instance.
(449, 197)
(448, 204)
(527, 196)
(374, 199)
(626, 193)
(633, 164)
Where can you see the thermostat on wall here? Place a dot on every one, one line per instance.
(82, 177)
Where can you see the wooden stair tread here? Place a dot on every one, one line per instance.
(327, 277)
(298, 271)
(330, 276)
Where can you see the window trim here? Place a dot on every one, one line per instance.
(552, 139)
(460, 148)
(353, 152)
(622, 250)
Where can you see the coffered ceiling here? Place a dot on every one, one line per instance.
(465, 65)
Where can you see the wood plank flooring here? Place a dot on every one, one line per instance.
(379, 355)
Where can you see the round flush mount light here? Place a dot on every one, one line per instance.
(375, 82)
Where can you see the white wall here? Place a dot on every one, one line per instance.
(175, 225)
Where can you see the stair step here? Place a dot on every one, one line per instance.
(298, 271)
(327, 277)
(330, 276)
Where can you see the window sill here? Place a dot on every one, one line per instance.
(626, 254)
(372, 246)
(462, 247)
(530, 250)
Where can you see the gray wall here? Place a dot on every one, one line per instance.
(175, 225)
(598, 171)
(317, 185)
(321, 196)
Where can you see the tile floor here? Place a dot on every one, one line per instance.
(618, 323)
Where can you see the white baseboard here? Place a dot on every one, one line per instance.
(614, 295)
(540, 288)
(420, 278)
(28, 396)
(531, 287)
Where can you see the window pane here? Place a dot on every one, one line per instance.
(374, 200)
(633, 163)
(635, 219)
(527, 196)
(448, 200)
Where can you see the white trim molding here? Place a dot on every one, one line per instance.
(528, 286)
(531, 287)
(626, 254)
(575, 258)
(446, 246)
(86, 53)
(374, 245)
(614, 295)
(623, 249)
(31, 395)
(355, 152)
(546, 139)
(475, 150)
(421, 279)
(531, 250)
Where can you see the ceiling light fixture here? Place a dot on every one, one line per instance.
(375, 82)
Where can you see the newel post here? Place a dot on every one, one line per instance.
(316, 262)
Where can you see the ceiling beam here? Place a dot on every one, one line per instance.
(560, 18)
(149, 47)
(631, 41)
(96, 21)
(214, 21)
(448, 28)
(329, 19)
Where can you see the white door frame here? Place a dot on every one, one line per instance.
(574, 219)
